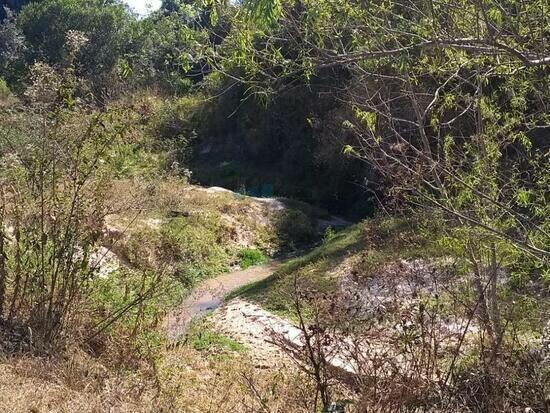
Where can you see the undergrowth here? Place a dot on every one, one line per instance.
(250, 257)
(203, 337)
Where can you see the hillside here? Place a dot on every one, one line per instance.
(275, 206)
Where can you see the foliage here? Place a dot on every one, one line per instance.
(440, 100)
(52, 206)
(432, 109)
(177, 120)
(250, 257)
(107, 25)
(11, 45)
(130, 159)
(131, 303)
(196, 246)
(286, 142)
(171, 51)
(5, 92)
(202, 337)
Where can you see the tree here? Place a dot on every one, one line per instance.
(420, 77)
(445, 99)
(108, 26)
(11, 43)
(11, 5)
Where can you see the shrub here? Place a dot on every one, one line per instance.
(194, 245)
(295, 228)
(250, 257)
(54, 181)
(130, 303)
(129, 160)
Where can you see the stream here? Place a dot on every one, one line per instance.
(209, 295)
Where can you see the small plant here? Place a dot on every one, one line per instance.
(330, 233)
(194, 245)
(53, 181)
(209, 340)
(250, 257)
(5, 92)
(202, 337)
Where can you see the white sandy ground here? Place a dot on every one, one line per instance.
(256, 328)
(105, 262)
(253, 327)
(274, 203)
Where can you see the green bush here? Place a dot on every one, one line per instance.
(178, 119)
(129, 160)
(5, 92)
(250, 257)
(296, 228)
(195, 245)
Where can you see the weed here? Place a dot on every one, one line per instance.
(250, 257)
(195, 245)
(129, 160)
(203, 337)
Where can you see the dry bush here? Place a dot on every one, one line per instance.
(72, 382)
(407, 337)
(51, 206)
(193, 382)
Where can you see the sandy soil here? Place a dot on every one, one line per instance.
(254, 327)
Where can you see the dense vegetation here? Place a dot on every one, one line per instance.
(428, 120)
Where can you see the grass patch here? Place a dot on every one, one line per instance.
(195, 244)
(250, 256)
(132, 160)
(202, 337)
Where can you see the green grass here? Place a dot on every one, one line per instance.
(196, 244)
(131, 160)
(209, 340)
(202, 337)
(250, 256)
